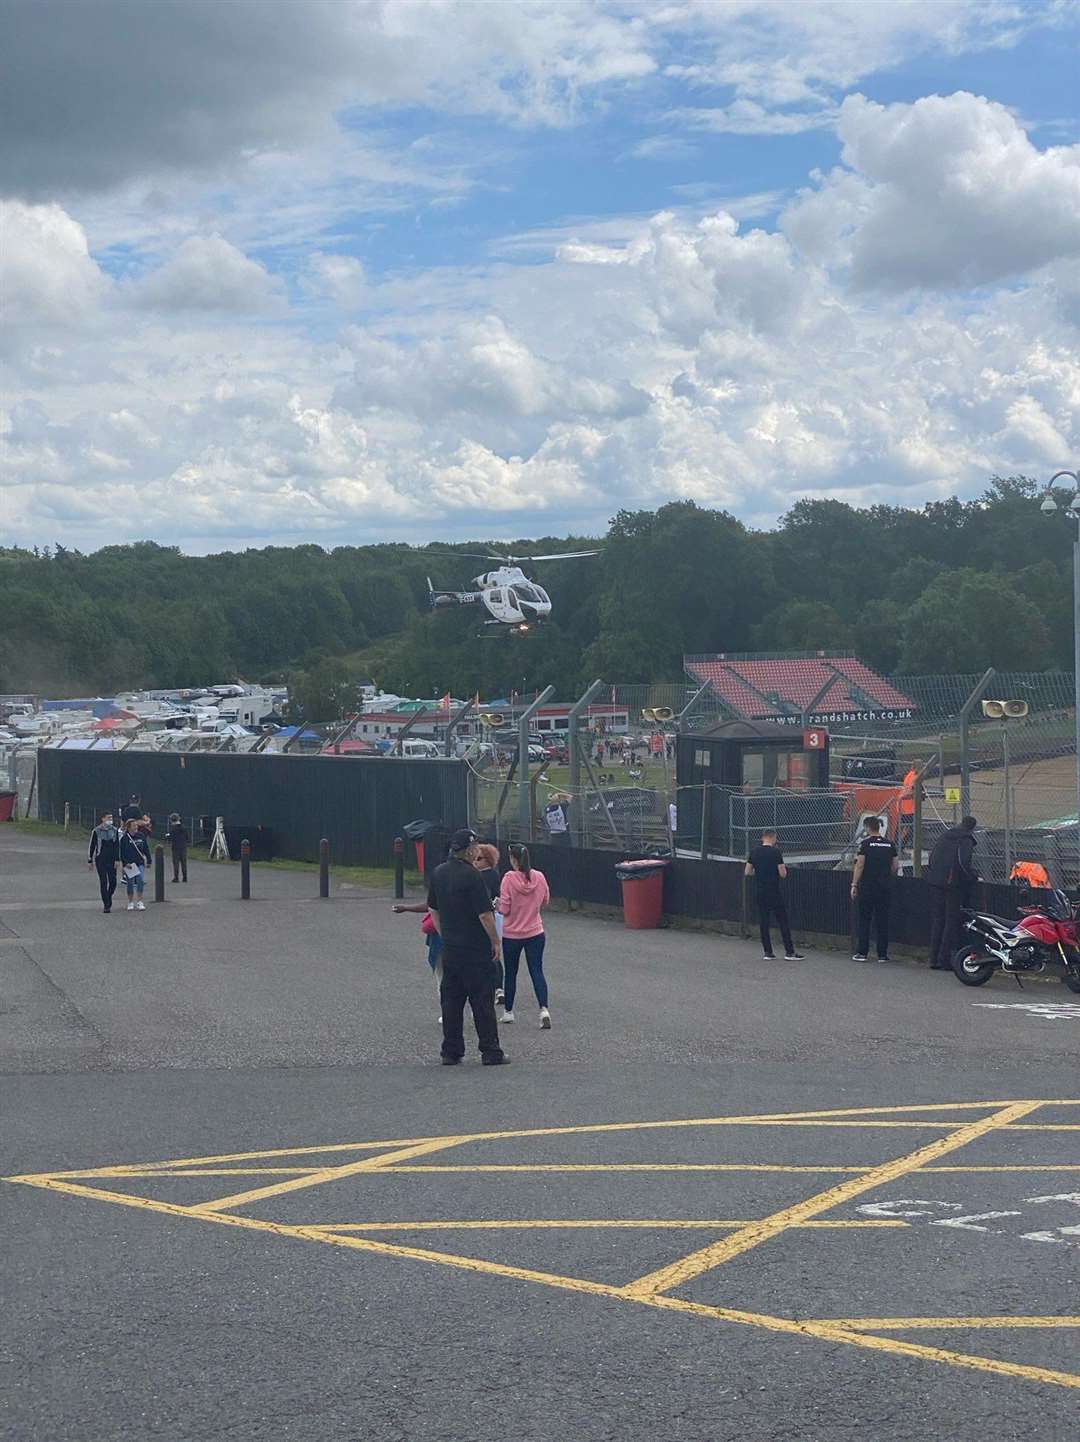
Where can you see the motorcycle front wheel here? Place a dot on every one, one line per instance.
(1072, 981)
(971, 966)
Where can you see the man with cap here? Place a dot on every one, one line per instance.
(462, 912)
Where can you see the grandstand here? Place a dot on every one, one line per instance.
(792, 688)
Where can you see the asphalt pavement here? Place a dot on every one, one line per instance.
(720, 1199)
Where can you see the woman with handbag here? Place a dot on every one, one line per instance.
(134, 859)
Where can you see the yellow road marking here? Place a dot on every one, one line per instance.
(617, 1167)
(905, 1324)
(826, 1330)
(678, 1224)
(676, 1274)
(592, 1127)
(1045, 1127)
(1020, 1167)
(121, 1173)
(327, 1174)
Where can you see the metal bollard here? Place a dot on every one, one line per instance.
(245, 871)
(324, 868)
(159, 873)
(399, 867)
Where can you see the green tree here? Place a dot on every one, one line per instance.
(327, 692)
(966, 621)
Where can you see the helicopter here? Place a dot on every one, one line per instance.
(509, 598)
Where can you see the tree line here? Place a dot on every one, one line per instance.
(954, 586)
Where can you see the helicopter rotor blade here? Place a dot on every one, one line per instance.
(558, 556)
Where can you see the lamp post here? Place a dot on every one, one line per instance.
(1048, 507)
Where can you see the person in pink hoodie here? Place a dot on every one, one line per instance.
(524, 892)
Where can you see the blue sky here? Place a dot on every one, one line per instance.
(343, 270)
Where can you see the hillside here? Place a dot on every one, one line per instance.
(954, 586)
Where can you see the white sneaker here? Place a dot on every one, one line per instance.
(545, 1019)
(139, 906)
(508, 1016)
(498, 996)
(131, 906)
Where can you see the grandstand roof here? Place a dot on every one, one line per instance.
(779, 685)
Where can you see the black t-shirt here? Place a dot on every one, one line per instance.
(492, 881)
(877, 853)
(766, 861)
(459, 894)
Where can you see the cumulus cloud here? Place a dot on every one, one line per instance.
(47, 275)
(336, 278)
(102, 91)
(947, 192)
(207, 273)
(712, 362)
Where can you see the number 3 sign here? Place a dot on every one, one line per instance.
(815, 738)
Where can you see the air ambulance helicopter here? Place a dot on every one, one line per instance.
(509, 598)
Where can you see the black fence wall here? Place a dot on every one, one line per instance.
(819, 902)
(360, 803)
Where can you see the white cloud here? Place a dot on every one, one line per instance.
(947, 192)
(47, 275)
(206, 273)
(339, 279)
(712, 362)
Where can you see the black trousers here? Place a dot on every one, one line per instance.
(945, 905)
(106, 871)
(770, 904)
(468, 977)
(179, 862)
(874, 904)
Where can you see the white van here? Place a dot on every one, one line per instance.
(415, 748)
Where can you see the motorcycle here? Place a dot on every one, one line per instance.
(1046, 935)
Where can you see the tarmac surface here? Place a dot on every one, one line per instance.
(720, 1199)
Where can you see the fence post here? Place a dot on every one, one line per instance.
(159, 873)
(245, 871)
(965, 756)
(324, 868)
(399, 867)
(706, 819)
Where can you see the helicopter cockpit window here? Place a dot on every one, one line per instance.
(527, 593)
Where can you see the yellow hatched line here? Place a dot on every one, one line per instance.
(542, 1224)
(823, 1117)
(676, 1274)
(326, 1174)
(830, 1331)
(908, 1324)
(616, 1167)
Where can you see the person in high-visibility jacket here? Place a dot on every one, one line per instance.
(1030, 873)
(907, 805)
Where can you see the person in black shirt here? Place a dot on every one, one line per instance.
(178, 837)
(951, 872)
(103, 853)
(461, 909)
(766, 865)
(871, 888)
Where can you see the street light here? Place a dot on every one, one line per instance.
(1048, 507)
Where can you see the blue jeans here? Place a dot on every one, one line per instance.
(434, 949)
(533, 947)
(135, 882)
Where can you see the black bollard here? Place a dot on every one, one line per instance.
(399, 867)
(245, 871)
(324, 868)
(159, 873)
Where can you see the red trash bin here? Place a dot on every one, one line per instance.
(642, 892)
(419, 856)
(7, 805)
